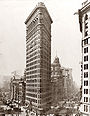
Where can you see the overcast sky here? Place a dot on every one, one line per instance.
(66, 37)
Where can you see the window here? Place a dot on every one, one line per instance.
(85, 74)
(85, 58)
(85, 108)
(85, 41)
(86, 50)
(86, 17)
(81, 65)
(85, 91)
(85, 66)
(86, 83)
(86, 33)
(86, 25)
(85, 99)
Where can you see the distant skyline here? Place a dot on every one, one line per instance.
(66, 37)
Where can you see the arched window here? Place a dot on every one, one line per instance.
(86, 17)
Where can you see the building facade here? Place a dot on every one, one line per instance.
(57, 82)
(68, 82)
(38, 59)
(18, 90)
(84, 20)
(63, 87)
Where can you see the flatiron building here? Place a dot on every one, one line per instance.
(38, 59)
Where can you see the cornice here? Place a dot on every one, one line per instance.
(85, 8)
(40, 5)
(82, 11)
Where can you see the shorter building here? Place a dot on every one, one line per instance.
(68, 82)
(57, 81)
(63, 87)
(17, 90)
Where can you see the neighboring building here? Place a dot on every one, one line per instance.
(68, 82)
(17, 90)
(84, 20)
(38, 59)
(57, 82)
(63, 87)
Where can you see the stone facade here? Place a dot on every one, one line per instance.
(38, 59)
(68, 82)
(57, 82)
(17, 90)
(62, 82)
(84, 21)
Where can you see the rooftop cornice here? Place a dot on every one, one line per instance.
(81, 11)
(85, 7)
(39, 5)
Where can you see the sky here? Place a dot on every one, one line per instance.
(66, 36)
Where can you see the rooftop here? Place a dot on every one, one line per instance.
(39, 5)
(56, 61)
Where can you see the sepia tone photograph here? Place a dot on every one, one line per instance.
(44, 58)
